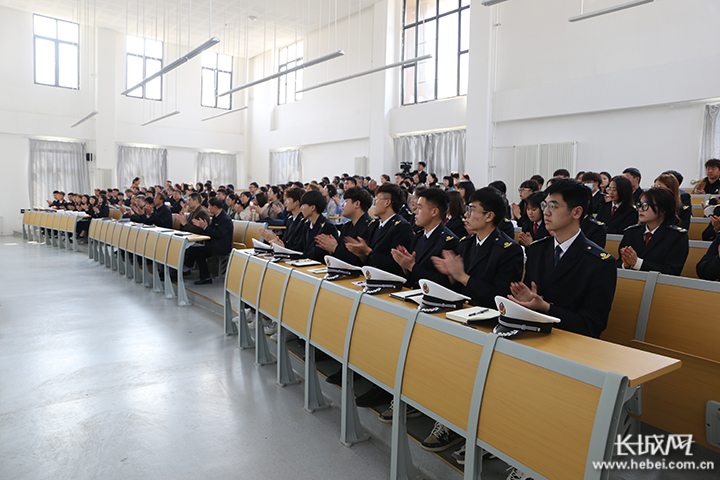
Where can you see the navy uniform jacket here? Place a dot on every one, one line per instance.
(220, 230)
(685, 198)
(397, 231)
(665, 253)
(685, 214)
(161, 217)
(348, 230)
(597, 200)
(541, 232)
(708, 268)
(307, 234)
(407, 214)
(709, 233)
(456, 226)
(625, 216)
(580, 288)
(594, 230)
(291, 237)
(637, 194)
(440, 239)
(506, 226)
(492, 267)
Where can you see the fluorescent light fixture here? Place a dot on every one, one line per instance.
(310, 63)
(604, 11)
(194, 53)
(160, 118)
(367, 72)
(225, 113)
(85, 118)
(490, 3)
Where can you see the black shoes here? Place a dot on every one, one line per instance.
(204, 281)
(373, 397)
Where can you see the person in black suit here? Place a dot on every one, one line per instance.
(386, 234)
(594, 231)
(518, 211)
(357, 203)
(657, 243)
(633, 174)
(708, 268)
(220, 230)
(292, 218)
(487, 260)
(416, 261)
(454, 218)
(535, 228)
(684, 212)
(568, 276)
(593, 180)
(161, 215)
(685, 198)
(619, 213)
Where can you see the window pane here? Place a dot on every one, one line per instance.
(448, 5)
(464, 63)
(68, 32)
(409, 43)
(464, 3)
(426, 39)
(207, 95)
(298, 84)
(224, 84)
(283, 56)
(225, 63)
(68, 76)
(410, 11)
(208, 60)
(134, 74)
(428, 9)
(44, 26)
(409, 85)
(153, 89)
(426, 80)
(44, 61)
(134, 45)
(447, 58)
(465, 29)
(153, 49)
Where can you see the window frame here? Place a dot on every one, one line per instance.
(216, 71)
(145, 58)
(462, 6)
(57, 43)
(297, 60)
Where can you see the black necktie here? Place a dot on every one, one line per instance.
(558, 252)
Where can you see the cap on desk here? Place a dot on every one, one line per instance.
(261, 247)
(516, 319)
(377, 280)
(436, 297)
(336, 268)
(282, 252)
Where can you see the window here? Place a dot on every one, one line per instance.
(57, 56)
(144, 57)
(216, 76)
(288, 85)
(440, 28)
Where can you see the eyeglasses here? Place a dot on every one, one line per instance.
(470, 210)
(520, 190)
(550, 206)
(642, 206)
(380, 198)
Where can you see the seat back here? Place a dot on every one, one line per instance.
(117, 230)
(235, 270)
(100, 236)
(92, 229)
(253, 231)
(27, 217)
(329, 324)
(161, 248)
(140, 241)
(176, 223)
(123, 239)
(251, 280)
(695, 253)
(697, 226)
(612, 244)
(175, 250)
(698, 199)
(62, 223)
(623, 317)
(38, 218)
(132, 238)
(239, 228)
(272, 289)
(48, 219)
(115, 214)
(298, 301)
(70, 224)
(698, 211)
(150, 242)
(56, 221)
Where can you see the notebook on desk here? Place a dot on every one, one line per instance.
(472, 315)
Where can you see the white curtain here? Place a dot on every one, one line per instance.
(219, 168)
(442, 152)
(54, 166)
(150, 164)
(285, 166)
(710, 145)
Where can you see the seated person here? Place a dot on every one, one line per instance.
(535, 229)
(292, 218)
(711, 232)
(593, 180)
(197, 211)
(619, 213)
(635, 177)
(684, 212)
(567, 276)
(141, 209)
(518, 211)
(386, 234)
(220, 230)
(656, 243)
(176, 202)
(594, 230)
(416, 261)
(161, 215)
(487, 260)
(456, 210)
(710, 185)
(357, 203)
(708, 268)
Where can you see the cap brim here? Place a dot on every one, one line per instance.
(506, 332)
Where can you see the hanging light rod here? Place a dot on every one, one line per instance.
(322, 59)
(85, 118)
(171, 66)
(605, 11)
(367, 72)
(490, 3)
(225, 113)
(160, 118)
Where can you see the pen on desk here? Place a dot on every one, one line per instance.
(478, 312)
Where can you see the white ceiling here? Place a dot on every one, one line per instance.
(277, 22)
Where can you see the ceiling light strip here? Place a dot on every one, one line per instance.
(225, 113)
(605, 11)
(490, 3)
(160, 118)
(85, 118)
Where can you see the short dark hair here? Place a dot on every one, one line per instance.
(624, 190)
(662, 202)
(359, 194)
(294, 193)
(396, 195)
(353, 180)
(135, 179)
(436, 198)
(277, 191)
(499, 185)
(196, 196)
(592, 177)
(536, 198)
(315, 199)
(713, 162)
(162, 196)
(491, 200)
(574, 194)
(531, 184)
(422, 163)
(634, 172)
(561, 172)
(254, 184)
(469, 188)
(261, 199)
(216, 202)
(385, 177)
(450, 179)
(538, 178)
(332, 191)
(675, 174)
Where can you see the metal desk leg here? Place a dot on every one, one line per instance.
(244, 339)
(285, 373)
(262, 352)
(401, 467)
(230, 327)
(351, 430)
(314, 399)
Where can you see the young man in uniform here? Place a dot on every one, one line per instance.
(357, 202)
